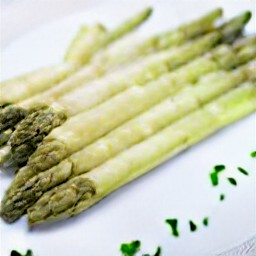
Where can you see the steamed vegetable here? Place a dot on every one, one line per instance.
(25, 86)
(37, 125)
(134, 131)
(83, 191)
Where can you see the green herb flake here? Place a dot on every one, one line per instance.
(157, 253)
(174, 226)
(232, 181)
(253, 154)
(16, 253)
(130, 249)
(192, 226)
(214, 178)
(222, 197)
(219, 168)
(206, 221)
(243, 171)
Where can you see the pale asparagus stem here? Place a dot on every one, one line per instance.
(128, 51)
(31, 131)
(22, 87)
(123, 137)
(87, 43)
(81, 192)
(112, 59)
(105, 61)
(33, 168)
(225, 56)
(80, 49)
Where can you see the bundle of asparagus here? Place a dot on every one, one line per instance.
(36, 126)
(107, 59)
(85, 45)
(129, 121)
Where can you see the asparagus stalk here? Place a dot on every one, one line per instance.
(121, 138)
(25, 86)
(107, 91)
(109, 59)
(22, 87)
(128, 51)
(36, 126)
(87, 43)
(81, 192)
(54, 148)
(85, 39)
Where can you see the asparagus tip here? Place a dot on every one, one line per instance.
(32, 130)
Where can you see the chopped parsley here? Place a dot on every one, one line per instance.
(214, 178)
(219, 168)
(157, 253)
(206, 221)
(232, 181)
(242, 170)
(130, 249)
(253, 154)
(214, 174)
(15, 253)
(222, 197)
(192, 226)
(174, 226)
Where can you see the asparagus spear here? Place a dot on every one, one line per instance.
(128, 51)
(32, 129)
(83, 104)
(80, 49)
(54, 150)
(83, 191)
(23, 87)
(110, 59)
(85, 45)
(123, 137)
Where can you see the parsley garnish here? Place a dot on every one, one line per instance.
(242, 170)
(253, 154)
(192, 226)
(157, 253)
(214, 174)
(219, 168)
(214, 178)
(174, 226)
(232, 181)
(130, 249)
(15, 253)
(206, 221)
(222, 197)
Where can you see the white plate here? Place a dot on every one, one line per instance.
(179, 188)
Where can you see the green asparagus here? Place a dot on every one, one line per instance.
(123, 137)
(81, 192)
